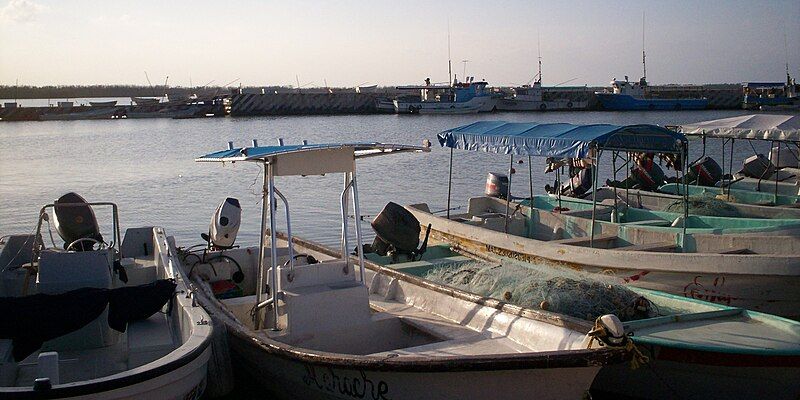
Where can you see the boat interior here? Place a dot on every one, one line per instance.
(636, 229)
(671, 318)
(736, 195)
(48, 289)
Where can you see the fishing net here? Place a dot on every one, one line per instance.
(547, 288)
(708, 206)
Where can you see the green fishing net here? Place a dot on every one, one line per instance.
(549, 288)
(702, 205)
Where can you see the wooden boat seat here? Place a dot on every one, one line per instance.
(658, 247)
(584, 240)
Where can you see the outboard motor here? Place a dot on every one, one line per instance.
(704, 172)
(224, 225)
(758, 166)
(397, 232)
(74, 219)
(496, 185)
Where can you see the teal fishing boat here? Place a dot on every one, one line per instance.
(756, 268)
(691, 348)
(734, 195)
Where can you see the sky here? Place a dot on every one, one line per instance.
(358, 43)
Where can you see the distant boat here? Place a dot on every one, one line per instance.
(460, 98)
(634, 96)
(771, 96)
(111, 103)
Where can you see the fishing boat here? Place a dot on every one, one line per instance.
(735, 195)
(691, 348)
(715, 205)
(751, 270)
(98, 318)
(771, 95)
(776, 174)
(531, 98)
(460, 98)
(319, 326)
(145, 101)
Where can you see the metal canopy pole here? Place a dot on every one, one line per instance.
(594, 195)
(508, 195)
(273, 252)
(357, 211)
(530, 179)
(614, 155)
(685, 156)
(777, 164)
(449, 183)
(730, 170)
(261, 250)
(344, 200)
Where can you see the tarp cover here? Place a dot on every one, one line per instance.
(754, 126)
(560, 140)
(263, 153)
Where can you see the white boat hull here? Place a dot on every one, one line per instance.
(521, 104)
(292, 379)
(474, 105)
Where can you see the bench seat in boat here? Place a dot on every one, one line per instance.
(584, 240)
(660, 246)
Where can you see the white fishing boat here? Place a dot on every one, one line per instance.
(459, 98)
(95, 319)
(110, 103)
(531, 98)
(689, 348)
(756, 268)
(316, 326)
(776, 174)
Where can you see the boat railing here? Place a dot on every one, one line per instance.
(43, 216)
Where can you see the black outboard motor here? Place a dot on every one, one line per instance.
(75, 219)
(397, 232)
(496, 185)
(758, 166)
(704, 172)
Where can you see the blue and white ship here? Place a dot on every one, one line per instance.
(761, 95)
(634, 96)
(459, 98)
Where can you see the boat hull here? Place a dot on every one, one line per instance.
(681, 373)
(520, 104)
(296, 379)
(625, 102)
(760, 282)
(474, 105)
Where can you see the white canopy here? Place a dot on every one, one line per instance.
(785, 128)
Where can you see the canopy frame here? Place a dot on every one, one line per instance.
(592, 146)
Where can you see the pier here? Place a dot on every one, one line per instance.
(263, 102)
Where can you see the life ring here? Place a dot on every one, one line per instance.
(569, 104)
(543, 106)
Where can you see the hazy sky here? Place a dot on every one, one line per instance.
(352, 43)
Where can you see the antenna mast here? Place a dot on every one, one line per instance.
(149, 83)
(786, 54)
(644, 62)
(449, 59)
(539, 45)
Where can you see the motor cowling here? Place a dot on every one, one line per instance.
(397, 227)
(496, 185)
(225, 224)
(758, 166)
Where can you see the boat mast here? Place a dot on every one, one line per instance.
(539, 45)
(449, 59)
(644, 62)
(786, 55)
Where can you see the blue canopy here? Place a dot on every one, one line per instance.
(560, 140)
(263, 153)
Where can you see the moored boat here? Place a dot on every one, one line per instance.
(331, 328)
(691, 348)
(459, 98)
(750, 270)
(97, 319)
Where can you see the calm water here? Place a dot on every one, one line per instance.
(147, 167)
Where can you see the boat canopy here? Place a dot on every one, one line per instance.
(783, 128)
(560, 140)
(309, 159)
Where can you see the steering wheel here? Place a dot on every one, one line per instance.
(94, 241)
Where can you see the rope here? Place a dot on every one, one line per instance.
(600, 334)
